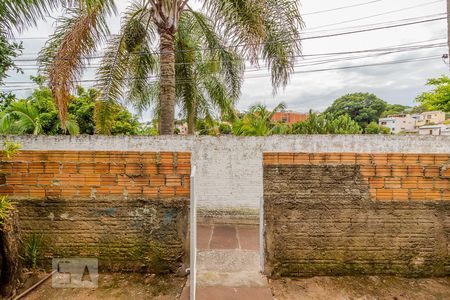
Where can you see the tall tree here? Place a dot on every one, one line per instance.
(206, 83)
(439, 97)
(266, 30)
(395, 109)
(363, 108)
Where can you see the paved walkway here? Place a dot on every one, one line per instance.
(228, 264)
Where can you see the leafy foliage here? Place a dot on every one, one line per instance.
(8, 51)
(19, 14)
(78, 32)
(363, 108)
(394, 109)
(212, 127)
(374, 128)
(6, 207)
(326, 124)
(265, 30)
(38, 115)
(148, 128)
(32, 248)
(35, 115)
(258, 122)
(10, 148)
(439, 97)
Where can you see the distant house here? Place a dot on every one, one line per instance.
(427, 123)
(430, 118)
(434, 130)
(289, 117)
(398, 123)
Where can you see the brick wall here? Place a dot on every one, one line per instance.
(129, 209)
(230, 168)
(357, 213)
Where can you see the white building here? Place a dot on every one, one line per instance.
(434, 130)
(398, 123)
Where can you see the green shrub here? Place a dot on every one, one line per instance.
(32, 250)
(10, 148)
(6, 207)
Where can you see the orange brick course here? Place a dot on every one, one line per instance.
(89, 174)
(390, 176)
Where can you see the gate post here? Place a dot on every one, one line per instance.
(261, 233)
(193, 237)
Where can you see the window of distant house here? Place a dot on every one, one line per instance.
(284, 119)
(431, 131)
(383, 123)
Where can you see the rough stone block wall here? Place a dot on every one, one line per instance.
(357, 213)
(128, 209)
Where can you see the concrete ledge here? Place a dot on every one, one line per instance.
(228, 216)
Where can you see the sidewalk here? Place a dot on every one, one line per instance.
(228, 264)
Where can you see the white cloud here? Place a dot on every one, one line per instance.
(398, 83)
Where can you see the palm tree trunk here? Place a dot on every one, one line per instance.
(191, 120)
(167, 82)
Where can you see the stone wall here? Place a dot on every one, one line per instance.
(128, 209)
(230, 169)
(357, 213)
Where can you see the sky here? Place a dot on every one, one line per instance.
(397, 83)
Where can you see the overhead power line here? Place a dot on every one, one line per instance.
(318, 54)
(340, 8)
(311, 57)
(417, 59)
(304, 38)
(362, 66)
(374, 28)
(325, 59)
(378, 15)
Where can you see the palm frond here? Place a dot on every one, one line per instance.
(231, 65)
(103, 116)
(113, 70)
(6, 122)
(209, 81)
(141, 66)
(27, 118)
(68, 49)
(262, 29)
(19, 14)
(128, 62)
(242, 23)
(282, 44)
(72, 127)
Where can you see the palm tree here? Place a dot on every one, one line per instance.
(23, 117)
(258, 122)
(261, 30)
(205, 83)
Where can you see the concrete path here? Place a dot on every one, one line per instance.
(228, 264)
